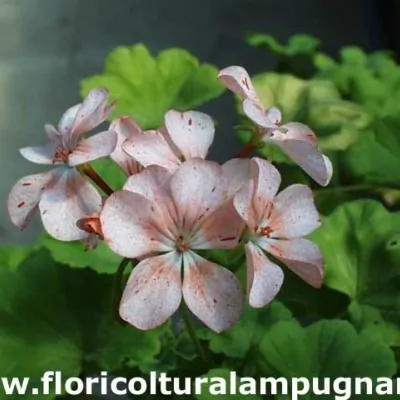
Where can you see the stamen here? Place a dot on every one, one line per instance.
(266, 231)
(181, 245)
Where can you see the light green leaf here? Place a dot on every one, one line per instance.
(57, 319)
(146, 86)
(73, 254)
(300, 44)
(325, 349)
(354, 241)
(283, 91)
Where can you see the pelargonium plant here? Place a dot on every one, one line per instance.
(176, 204)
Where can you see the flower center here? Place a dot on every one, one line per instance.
(61, 155)
(181, 245)
(265, 231)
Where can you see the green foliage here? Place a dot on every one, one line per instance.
(354, 240)
(54, 318)
(101, 259)
(147, 87)
(240, 340)
(325, 349)
(300, 44)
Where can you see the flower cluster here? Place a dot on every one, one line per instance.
(175, 204)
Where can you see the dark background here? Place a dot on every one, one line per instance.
(47, 46)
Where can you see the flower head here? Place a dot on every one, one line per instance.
(164, 218)
(295, 139)
(277, 224)
(185, 135)
(62, 194)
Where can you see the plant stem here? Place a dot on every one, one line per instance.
(117, 288)
(245, 151)
(189, 325)
(96, 178)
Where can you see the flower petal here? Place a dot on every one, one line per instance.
(258, 115)
(315, 164)
(237, 80)
(39, 154)
(294, 213)
(191, 131)
(53, 134)
(267, 181)
(238, 172)
(125, 128)
(299, 131)
(198, 188)
(212, 293)
(67, 120)
(219, 230)
(274, 114)
(151, 148)
(71, 198)
(93, 148)
(152, 183)
(301, 256)
(243, 203)
(264, 278)
(25, 195)
(131, 225)
(92, 112)
(153, 291)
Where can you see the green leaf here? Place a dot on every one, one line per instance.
(73, 254)
(381, 143)
(238, 341)
(54, 318)
(369, 320)
(12, 256)
(219, 383)
(300, 44)
(147, 87)
(354, 240)
(325, 349)
(283, 91)
(368, 161)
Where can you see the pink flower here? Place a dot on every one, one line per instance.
(185, 135)
(62, 194)
(163, 218)
(276, 224)
(296, 140)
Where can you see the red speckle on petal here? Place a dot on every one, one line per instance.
(190, 121)
(200, 217)
(27, 184)
(21, 204)
(44, 212)
(213, 189)
(226, 239)
(245, 83)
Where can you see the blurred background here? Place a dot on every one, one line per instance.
(47, 46)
